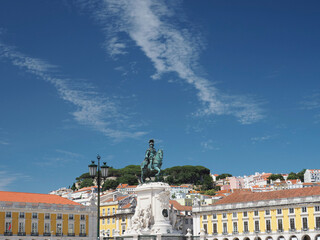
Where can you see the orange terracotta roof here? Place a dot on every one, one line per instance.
(34, 198)
(180, 207)
(260, 196)
(126, 206)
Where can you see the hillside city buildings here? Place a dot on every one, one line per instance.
(247, 208)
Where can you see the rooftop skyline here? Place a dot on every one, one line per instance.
(233, 86)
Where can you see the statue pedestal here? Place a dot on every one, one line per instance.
(152, 212)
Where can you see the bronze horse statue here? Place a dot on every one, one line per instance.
(155, 164)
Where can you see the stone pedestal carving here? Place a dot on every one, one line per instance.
(152, 210)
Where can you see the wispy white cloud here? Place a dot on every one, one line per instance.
(261, 139)
(311, 102)
(4, 143)
(208, 145)
(68, 153)
(92, 109)
(8, 178)
(149, 24)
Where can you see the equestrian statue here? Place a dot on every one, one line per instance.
(152, 162)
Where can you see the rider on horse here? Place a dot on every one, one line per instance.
(150, 154)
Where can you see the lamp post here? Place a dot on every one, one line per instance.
(95, 171)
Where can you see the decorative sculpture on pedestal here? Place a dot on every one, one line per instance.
(151, 162)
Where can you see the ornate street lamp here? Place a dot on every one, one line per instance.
(95, 171)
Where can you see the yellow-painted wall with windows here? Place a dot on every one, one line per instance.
(285, 216)
(112, 223)
(41, 222)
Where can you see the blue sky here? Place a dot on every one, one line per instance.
(230, 85)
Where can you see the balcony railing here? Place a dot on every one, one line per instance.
(82, 234)
(235, 232)
(280, 230)
(215, 233)
(46, 234)
(246, 231)
(34, 234)
(225, 233)
(71, 234)
(21, 233)
(7, 233)
(59, 234)
(305, 229)
(292, 229)
(268, 231)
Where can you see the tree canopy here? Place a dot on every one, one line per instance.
(223, 176)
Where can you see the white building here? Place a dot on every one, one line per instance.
(312, 175)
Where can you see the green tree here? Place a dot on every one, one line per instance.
(210, 192)
(274, 177)
(223, 176)
(87, 182)
(73, 188)
(207, 183)
(301, 174)
(110, 184)
(292, 175)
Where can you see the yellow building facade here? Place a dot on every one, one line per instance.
(115, 216)
(278, 215)
(42, 216)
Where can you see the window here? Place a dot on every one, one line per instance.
(267, 212)
(82, 228)
(245, 214)
(113, 210)
(103, 212)
(34, 227)
(234, 214)
(268, 225)
(108, 221)
(70, 216)
(280, 228)
(108, 211)
(21, 215)
(214, 216)
(103, 221)
(245, 227)
(291, 210)
(82, 217)
(8, 227)
(113, 220)
(225, 228)
(214, 227)
(235, 227)
(317, 208)
(21, 227)
(256, 213)
(47, 227)
(205, 228)
(59, 228)
(47, 215)
(292, 224)
(204, 217)
(304, 209)
(305, 223)
(317, 222)
(279, 211)
(112, 232)
(224, 215)
(59, 216)
(124, 219)
(70, 228)
(256, 226)
(34, 215)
